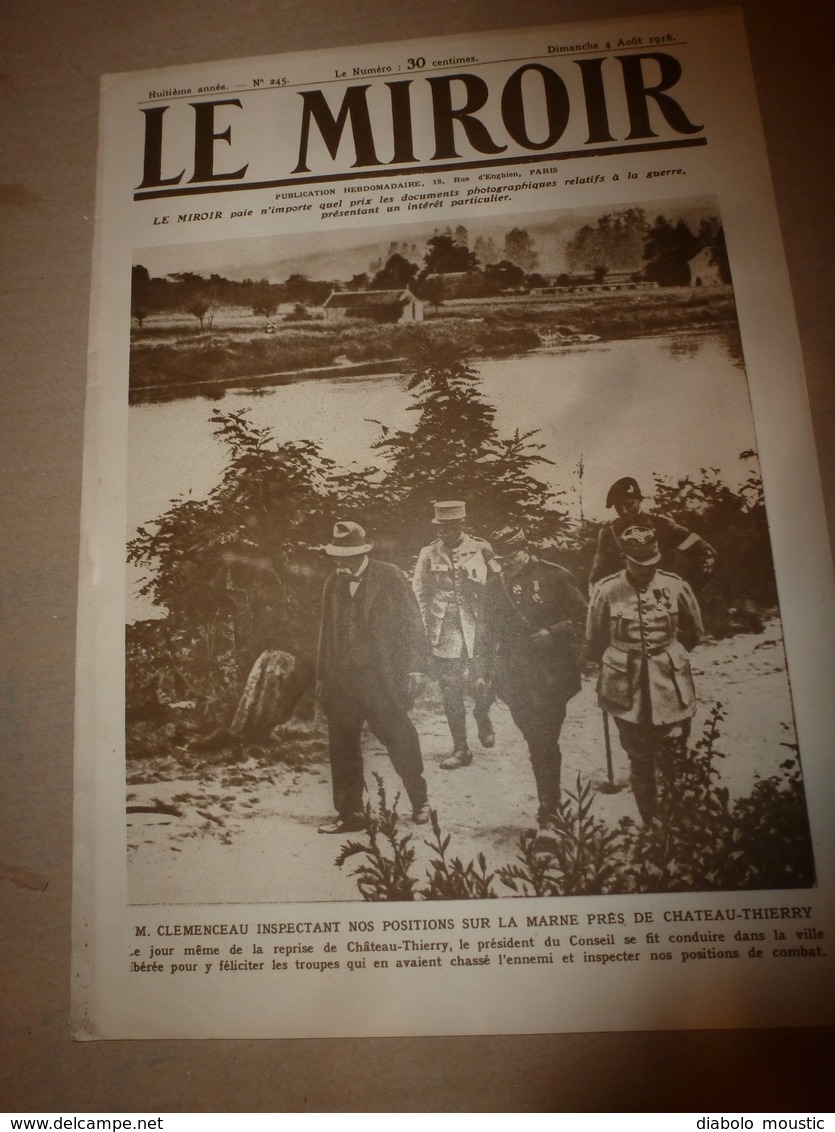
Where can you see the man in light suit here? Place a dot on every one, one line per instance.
(449, 582)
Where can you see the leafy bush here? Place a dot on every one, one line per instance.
(698, 842)
(385, 872)
(454, 451)
(735, 524)
(576, 858)
(388, 858)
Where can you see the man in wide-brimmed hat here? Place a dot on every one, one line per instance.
(449, 584)
(681, 550)
(527, 649)
(642, 622)
(372, 649)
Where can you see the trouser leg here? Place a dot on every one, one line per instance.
(389, 721)
(345, 719)
(481, 713)
(451, 677)
(540, 727)
(640, 742)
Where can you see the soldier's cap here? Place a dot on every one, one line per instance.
(450, 511)
(507, 540)
(348, 539)
(623, 489)
(640, 545)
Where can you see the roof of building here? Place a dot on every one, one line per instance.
(369, 298)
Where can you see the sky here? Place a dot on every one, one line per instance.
(339, 253)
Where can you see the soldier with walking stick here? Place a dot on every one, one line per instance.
(642, 622)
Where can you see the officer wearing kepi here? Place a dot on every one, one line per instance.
(449, 585)
(642, 622)
(526, 648)
(681, 550)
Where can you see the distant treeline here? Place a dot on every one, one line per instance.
(450, 265)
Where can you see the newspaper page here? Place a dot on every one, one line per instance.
(456, 609)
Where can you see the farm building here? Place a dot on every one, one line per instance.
(703, 272)
(376, 306)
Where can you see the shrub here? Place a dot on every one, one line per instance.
(388, 856)
(698, 842)
(577, 859)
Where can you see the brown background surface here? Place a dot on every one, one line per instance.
(51, 56)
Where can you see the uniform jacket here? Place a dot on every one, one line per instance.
(391, 626)
(541, 596)
(641, 638)
(678, 546)
(450, 581)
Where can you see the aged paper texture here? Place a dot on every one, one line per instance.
(456, 605)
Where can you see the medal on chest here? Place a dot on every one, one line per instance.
(663, 598)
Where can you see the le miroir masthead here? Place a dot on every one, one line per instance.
(593, 101)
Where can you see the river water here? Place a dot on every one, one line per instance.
(669, 405)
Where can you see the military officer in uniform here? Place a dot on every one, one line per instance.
(449, 585)
(642, 622)
(527, 649)
(679, 547)
(372, 650)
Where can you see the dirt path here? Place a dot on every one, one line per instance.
(248, 834)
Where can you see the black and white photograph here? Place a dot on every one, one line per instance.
(449, 572)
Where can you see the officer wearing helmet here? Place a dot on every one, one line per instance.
(682, 550)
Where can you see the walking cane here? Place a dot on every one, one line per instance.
(608, 787)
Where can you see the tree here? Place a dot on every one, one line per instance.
(444, 256)
(503, 276)
(519, 248)
(432, 290)
(199, 305)
(140, 293)
(263, 299)
(455, 452)
(668, 248)
(240, 571)
(397, 273)
(617, 239)
(487, 250)
(299, 289)
(735, 524)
